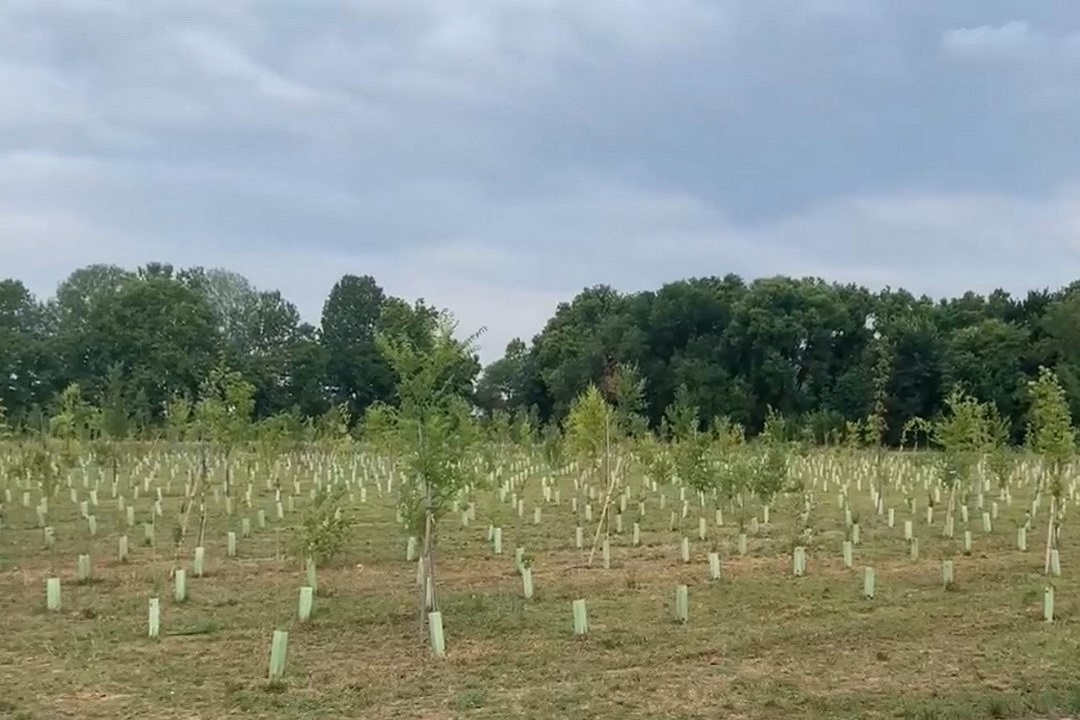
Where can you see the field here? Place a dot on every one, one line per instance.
(758, 643)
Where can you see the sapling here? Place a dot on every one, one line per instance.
(324, 527)
(999, 461)
(962, 433)
(589, 429)
(876, 423)
(771, 474)
(913, 430)
(222, 419)
(690, 447)
(1050, 434)
(435, 432)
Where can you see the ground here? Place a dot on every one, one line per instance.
(760, 643)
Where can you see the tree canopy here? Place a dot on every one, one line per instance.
(825, 356)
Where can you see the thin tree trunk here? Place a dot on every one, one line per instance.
(610, 481)
(1050, 533)
(428, 569)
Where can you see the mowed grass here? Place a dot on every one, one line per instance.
(759, 644)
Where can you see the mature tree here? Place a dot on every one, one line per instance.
(577, 345)
(306, 387)
(274, 335)
(986, 360)
(357, 372)
(501, 386)
(83, 289)
(1060, 329)
(801, 346)
(24, 358)
(233, 301)
(416, 322)
(159, 332)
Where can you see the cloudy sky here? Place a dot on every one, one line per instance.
(497, 156)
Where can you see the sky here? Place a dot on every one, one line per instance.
(495, 157)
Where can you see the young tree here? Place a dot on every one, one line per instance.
(178, 417)
(378, 428)
(522, 430)
(877, 422)
(332, 427)
(1050, 434)
(589, 428)
(75, 419)
(553, 447)
(115, 418)
(435, 433)
(689, 445)
(223, 414)
(771, 475)
(999, 461)
(222, 417)
(913, 429)
(626, 387)
(115, 405)
(681, 416)
(962, 434)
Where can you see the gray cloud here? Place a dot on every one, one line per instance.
(496, 157)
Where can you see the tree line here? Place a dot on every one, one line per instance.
(137, 343)
(825, 356)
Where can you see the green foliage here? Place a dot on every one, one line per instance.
(736, 472)
(727, 434)
(498, 429)
(35, 462)
(332, 427)
(771, 475)
(324, 528)
(877, 420)
(522, 430)
(75, 418)
(627, 388)
(689, 446)
(682, 416)
(963, 433)
(553, 447)
(1050, 431)
(655, 458)
(435, 430)
(999, 461)
(116, 414)
(178, 418)
(379, 428)
(224, 412)
(357, 373)
(915, 428)
(135, 340)
(692, 462)
(277, 434)
(589, 426)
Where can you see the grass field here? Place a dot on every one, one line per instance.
(760, 643)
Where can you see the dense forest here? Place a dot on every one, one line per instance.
(823, 355)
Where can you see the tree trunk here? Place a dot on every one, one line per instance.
(428, 572)
(1050, 535)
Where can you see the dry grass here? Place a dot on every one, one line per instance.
(759, 644)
